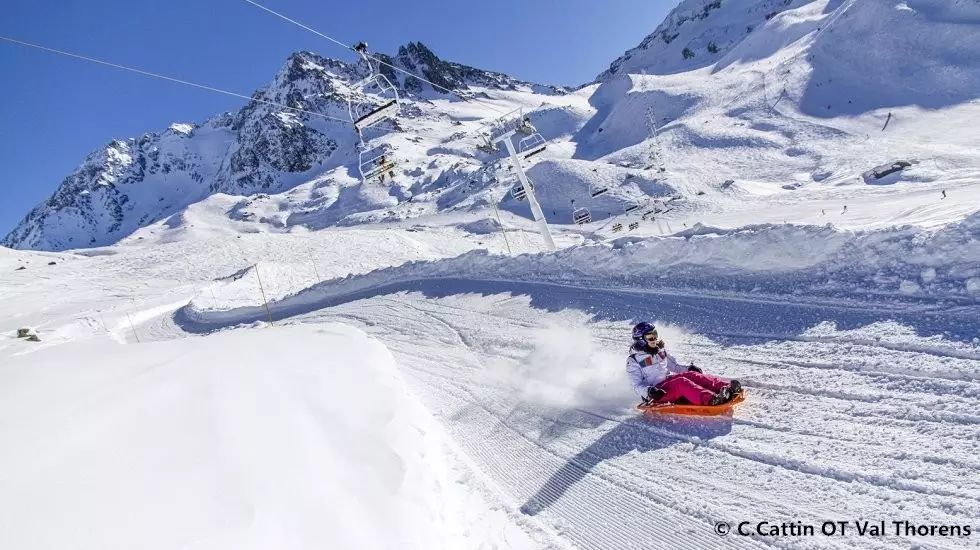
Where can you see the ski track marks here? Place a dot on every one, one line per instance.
(833, 429)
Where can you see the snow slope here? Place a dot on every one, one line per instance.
(873, 54)
(860, 407)
(487, 374)
(235, 441)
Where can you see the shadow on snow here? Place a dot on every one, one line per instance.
(641, 436)
(727, 320)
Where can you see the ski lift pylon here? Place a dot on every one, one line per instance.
(490, 131)
(581, 216)
(514, 121)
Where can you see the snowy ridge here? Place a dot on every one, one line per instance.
(903, 264)
(923, 38)
(697, 33)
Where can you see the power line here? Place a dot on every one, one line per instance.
(171, 79)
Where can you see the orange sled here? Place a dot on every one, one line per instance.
(694, 410)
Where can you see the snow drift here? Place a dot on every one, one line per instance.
(274, 438)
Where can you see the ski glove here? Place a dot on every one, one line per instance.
(654, 393)
(693, 368)
(656, 348)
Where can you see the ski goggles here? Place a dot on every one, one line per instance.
(651, 337)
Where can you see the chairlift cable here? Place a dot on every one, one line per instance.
(347, 47)
(170, 78)
(467, 135)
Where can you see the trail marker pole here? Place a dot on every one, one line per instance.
(137, 336)
(262, 290)
(315, 271)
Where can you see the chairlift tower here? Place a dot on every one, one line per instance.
(531, 198)
(657, 152)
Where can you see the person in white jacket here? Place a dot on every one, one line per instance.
(657, 377)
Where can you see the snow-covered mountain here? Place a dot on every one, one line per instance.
(263, 148)
(797, 86)
(759, 75)
(857, 55)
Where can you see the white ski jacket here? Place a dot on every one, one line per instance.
(647, 370)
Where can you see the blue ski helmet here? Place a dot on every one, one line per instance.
(641, 329)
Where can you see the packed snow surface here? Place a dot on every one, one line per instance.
(503, 382)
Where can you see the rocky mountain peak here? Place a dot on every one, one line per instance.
(261, 148)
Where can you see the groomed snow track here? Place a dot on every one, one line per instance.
(841, 424)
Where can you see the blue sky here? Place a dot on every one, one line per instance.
(55, 110)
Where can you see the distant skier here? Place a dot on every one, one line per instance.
(844, 211)
(658, 378)
(944, 194)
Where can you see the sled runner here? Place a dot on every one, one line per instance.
(693, 410)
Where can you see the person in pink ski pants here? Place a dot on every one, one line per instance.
(658, 378)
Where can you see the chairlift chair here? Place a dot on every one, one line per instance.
(617, 227)
(581, 216)
(525, 127)
(531, 145)
(519, 192)
(486, 145)
(373, 100)
(631, 207)
(364, 111)
(634, 226)
(376, 163)
(512, 121)
(596, 189)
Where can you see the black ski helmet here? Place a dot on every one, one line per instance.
(641, 330)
